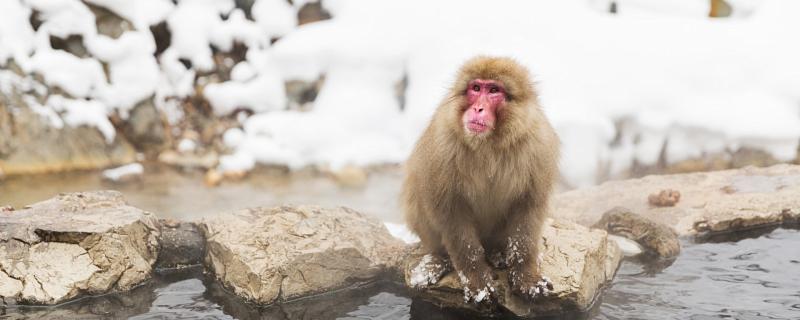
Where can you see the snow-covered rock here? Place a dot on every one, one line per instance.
(55, 135)
(578, 260)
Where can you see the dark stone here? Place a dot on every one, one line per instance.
(72, 44)
(182, 245)
(162, 36)
(109, 23)
(145, 128)
(312, 12)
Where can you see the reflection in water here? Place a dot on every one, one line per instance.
(170, 193)
(753, 275)
(753, 278)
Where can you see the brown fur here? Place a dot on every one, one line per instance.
(467, 196)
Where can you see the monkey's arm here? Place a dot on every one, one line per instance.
(462, 242)
(523, 231)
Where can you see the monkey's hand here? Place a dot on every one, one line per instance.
(529, 286)
(478, 289)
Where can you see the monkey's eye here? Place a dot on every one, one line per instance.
(493, 90)
(476, 88)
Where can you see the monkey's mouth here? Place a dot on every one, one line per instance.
(477, 126)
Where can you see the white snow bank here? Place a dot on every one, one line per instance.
(78, 77)
(274, 17)
(16, 34)
(78, 112)
(706, 85)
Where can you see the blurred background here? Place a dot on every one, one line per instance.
(193, 107)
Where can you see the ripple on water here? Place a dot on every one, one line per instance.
(767, 286)
(720, 286)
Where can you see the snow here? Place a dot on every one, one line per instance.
(274, 17)
(671, 73)
(401, 232)
(119, 173)
(16, 34)
(187, 145)
(627, 246)
(79, 77)
(658, 79)
(233, 137)
(78, 112)
(422, 275)
(141, 13)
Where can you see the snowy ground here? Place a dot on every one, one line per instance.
(616, 87)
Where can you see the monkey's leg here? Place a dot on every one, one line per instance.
(469, 259)
(523, 233)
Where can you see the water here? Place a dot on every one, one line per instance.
(182, 195)
(754, 275)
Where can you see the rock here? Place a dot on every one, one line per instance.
(75, 244)
(144, 127)
(312, 12)
(655, 237)
(711, 202)
(664, 198)
(300, 94)
(29, 143)
(182, 245)
(72, 44)
(578, 260)
(189, 160)
(279, 254)
(213, 178)
(350, 176)
(109, 23)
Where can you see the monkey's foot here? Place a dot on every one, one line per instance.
(429, 270)
(477, 292)
(530, 288)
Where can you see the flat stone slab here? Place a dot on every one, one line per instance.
(74, 244)
(267, 255)
(578, 260)
(710, 202)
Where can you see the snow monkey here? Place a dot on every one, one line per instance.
(478, 182)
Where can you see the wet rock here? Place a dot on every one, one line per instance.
(29, 143)
(664, 198)
(578, 260)
(711, 202)
(283, 253)
(182, 245)
(144, 127)
(655, 237)
(75, 244)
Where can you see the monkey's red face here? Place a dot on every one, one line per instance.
(484, 99)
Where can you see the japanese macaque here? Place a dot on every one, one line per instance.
(479, 180)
